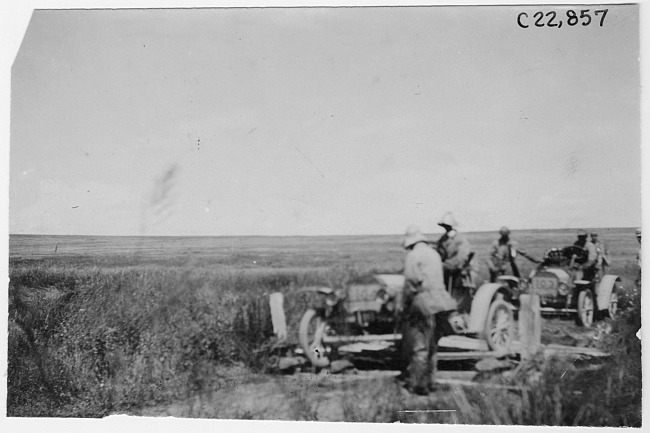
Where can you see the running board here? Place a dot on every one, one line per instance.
(359, 338)
(558, 310)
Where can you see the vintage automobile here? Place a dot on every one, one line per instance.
(366, 312)
(559, 282)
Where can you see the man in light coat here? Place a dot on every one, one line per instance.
(456, 253)
(424, 295)
(602, 255)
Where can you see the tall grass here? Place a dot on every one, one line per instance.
(87, 341)
(564, 392)
(93, 335)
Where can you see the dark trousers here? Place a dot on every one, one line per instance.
(418, 347)
(460, 293)
(589, 273)
(494, 273)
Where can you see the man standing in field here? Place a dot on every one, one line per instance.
(424, 295)
(503, 252)
(602, 255)
(456, 253)
(589, 267)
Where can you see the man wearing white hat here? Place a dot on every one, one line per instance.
(424, 296)
(457, 254)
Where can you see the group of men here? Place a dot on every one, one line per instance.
(439, 277)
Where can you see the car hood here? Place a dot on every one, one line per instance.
(561, 274)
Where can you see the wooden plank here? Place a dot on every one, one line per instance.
(530, 325)
(456, 374)
(466, 355)
(276, 302)
(559, 349)
(360, 338)
(373, 346)
(462, 342)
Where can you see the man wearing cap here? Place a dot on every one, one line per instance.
(424, 295)
(503, 253)
(589, 267)
(457, 254)
(602, 255)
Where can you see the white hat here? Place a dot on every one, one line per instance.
(448, 220)
(413, 236)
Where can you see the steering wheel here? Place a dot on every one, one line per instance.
(581, 254)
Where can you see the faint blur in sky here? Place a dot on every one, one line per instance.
(322, 121)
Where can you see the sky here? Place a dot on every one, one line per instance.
(322, 121)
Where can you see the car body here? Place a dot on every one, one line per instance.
(368, 311)
(559, 283)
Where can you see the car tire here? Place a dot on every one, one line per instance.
(585, 309)
(612, 308)
(310, 333)
(499, 327)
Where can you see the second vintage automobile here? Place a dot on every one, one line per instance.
(366, 312)
(559, 282)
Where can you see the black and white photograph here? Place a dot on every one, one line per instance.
(377, 213)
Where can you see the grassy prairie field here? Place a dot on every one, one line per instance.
(100, 325)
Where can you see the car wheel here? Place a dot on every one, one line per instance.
(310, 333)
(612, 308)
(585, 309)
(499, 329)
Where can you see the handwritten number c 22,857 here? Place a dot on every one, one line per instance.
(572, 18)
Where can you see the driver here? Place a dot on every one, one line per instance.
(589, 267)
(424, 295)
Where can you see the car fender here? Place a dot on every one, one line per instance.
(481, 306)
(604, 290)
(321, 290)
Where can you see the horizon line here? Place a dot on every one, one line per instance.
(302, 236)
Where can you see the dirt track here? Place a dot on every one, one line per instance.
(372, 395)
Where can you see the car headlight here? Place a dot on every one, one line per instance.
(382, 296)
(563, 289)
(523, 285)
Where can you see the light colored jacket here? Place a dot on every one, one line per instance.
(457, 249)
(501, 254)
(424, 287)
(591, 251)
(603, 254)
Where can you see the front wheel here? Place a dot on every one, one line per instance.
(585, 308)
(612, 308)
(499, 329)
(310, 333)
